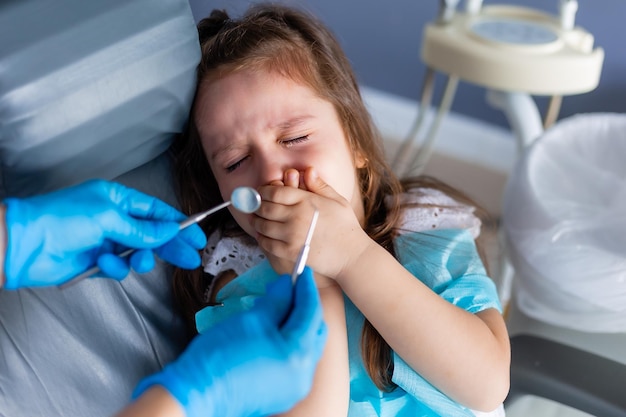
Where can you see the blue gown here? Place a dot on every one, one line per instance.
(446, 260)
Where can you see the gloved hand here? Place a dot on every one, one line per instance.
(249, 365)
(53, 237)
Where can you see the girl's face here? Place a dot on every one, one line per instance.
(254, 125)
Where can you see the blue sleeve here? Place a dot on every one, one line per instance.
(447, 261)
(238, 295)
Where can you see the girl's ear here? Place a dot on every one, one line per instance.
(360, 161)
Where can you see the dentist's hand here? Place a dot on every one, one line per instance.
(53, 237)
(250, 365)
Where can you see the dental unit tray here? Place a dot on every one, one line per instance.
(513, 48)
(515, 53)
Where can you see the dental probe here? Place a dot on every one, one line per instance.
(298, 268)
(304, 252)
(244, 199)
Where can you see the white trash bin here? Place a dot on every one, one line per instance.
(564, 220)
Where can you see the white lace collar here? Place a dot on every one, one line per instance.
(223, 253)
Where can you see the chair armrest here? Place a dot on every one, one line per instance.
(569, 376)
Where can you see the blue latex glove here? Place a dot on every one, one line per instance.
(249, 365)
(53, 237)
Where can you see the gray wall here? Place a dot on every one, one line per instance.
(382, 39)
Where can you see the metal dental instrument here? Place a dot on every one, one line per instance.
(298, 268)
(244, 199)
(304, 252)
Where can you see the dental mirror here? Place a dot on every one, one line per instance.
(244, 199)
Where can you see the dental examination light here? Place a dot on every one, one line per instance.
(514, 52)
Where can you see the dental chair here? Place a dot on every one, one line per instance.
(564, 221)
(90, 90)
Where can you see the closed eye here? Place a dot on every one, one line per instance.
(290, 142)
(285, 142)
(236, 165)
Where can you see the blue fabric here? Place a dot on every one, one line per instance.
(446, 261)
(237, 295)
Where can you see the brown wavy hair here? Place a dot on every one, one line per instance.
(295, 44)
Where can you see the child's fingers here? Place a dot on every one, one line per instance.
(317, 185)
(291, 178)
(273, 230)
(288, 196)
(274, 211)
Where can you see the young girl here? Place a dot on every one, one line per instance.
(414, 323)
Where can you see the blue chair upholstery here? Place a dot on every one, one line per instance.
(90, 89)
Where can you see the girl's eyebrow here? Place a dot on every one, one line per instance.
(215, 154)
(294, 121)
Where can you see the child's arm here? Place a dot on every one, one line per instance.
(466, 356)
(155, 402)
(331, 385)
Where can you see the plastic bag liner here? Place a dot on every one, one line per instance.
(564, 220)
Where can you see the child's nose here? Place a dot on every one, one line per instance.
(271, 168)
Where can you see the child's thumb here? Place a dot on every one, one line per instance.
(317, 185)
